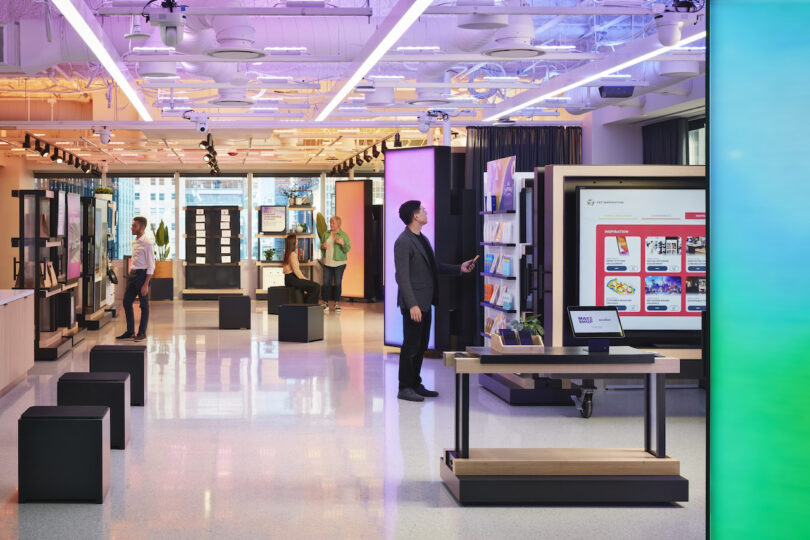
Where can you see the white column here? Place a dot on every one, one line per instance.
(177, 264)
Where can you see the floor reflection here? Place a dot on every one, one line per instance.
(246, 437)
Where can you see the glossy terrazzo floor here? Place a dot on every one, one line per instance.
(245, 437)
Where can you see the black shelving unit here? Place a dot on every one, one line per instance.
(41, 241)
(93, 314)
(212, 268)
(498, 276)
(497, 307)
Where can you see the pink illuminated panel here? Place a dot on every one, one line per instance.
(409, 174)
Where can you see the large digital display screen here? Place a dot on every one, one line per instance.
(644, 252)
(350, 207)
(409, 174)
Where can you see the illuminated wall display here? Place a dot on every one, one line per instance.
(759, 167)
(353, 205)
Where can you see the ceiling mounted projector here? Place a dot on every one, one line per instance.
(171, 26)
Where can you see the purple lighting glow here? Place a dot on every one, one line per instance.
(409, 174)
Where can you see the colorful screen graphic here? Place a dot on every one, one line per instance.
(501, 182)
(759, 231)
(350, 206)
(74, 236)
(637, 248)
(409, 174)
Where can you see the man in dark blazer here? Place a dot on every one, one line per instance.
(417, 273)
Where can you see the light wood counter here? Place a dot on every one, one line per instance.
(16, 337)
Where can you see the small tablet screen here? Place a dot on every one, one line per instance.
(595, 322)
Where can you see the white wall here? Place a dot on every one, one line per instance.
(610, 144)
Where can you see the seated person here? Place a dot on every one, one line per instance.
(292, 272)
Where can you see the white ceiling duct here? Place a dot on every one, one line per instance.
(431, 97)
(232, 97)
(679, 68)
(235, 36)
(515, 41)
(156, 69)
(478, 21)
(380, 97)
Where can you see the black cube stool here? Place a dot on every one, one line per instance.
(63, 454)
(101, 388)
(128, 358)
(278, 296)
(234, 312)
(300, 322)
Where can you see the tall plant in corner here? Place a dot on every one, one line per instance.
(163, 265)
(161, 240)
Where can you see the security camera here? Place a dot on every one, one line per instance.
(423, 123)
(171, 23)
(670, 22)
(104, 134)
(200, 120)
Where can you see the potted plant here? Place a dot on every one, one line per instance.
(530, 324)
(105, 193)
(270, 254)
(163, 266)
(289, 192)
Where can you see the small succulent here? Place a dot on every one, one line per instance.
(529, 323)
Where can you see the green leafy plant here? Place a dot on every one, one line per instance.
(303, 227)
(289, 192)
(320, 225)
(161, 240)
(531, 324)
(270, 254)
(103, 190)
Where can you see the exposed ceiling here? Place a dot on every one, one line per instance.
(263, 75)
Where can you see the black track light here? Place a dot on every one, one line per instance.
(45, 150)
(374, 151)
(76, 163)
(384, 147)
(56, 156)
(27, 141)
(70, 159)
(207, 158)
(86, 167)
(37, 147)
(367, 157)
(397, 141)
(358, 160)
(351, 163)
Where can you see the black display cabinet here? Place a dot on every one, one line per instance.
(93, 314)
(212, 266)
(42, 265)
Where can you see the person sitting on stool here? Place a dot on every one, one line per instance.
(292, 272)
(140, 273)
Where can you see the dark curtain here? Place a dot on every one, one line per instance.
(666, 143)
(533, 147)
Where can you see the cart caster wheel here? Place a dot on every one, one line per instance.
(587, 408)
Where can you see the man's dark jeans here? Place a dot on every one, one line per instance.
(135, 282)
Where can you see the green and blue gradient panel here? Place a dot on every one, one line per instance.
(759, 158)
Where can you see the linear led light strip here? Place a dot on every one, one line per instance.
(595, 76)
(92, 41)
(410, 16)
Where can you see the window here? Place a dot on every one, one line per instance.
(128, 208)
(220, 191)
(697, 142)
(152, 196)
(137, 195)
(172, 195)
(153, 181)
(162, 196)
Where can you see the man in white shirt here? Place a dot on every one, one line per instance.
(140, 273)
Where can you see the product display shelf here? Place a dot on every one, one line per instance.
(213, 263)
(275, 223)
(503, 237)
(93, 313)
(41, 266)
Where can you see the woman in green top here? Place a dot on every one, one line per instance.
(335, 245)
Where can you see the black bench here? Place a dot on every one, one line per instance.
(300, 322)
(278, 296)
(110, 389)
(128, 358)
(234, 312)
(63, 454)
